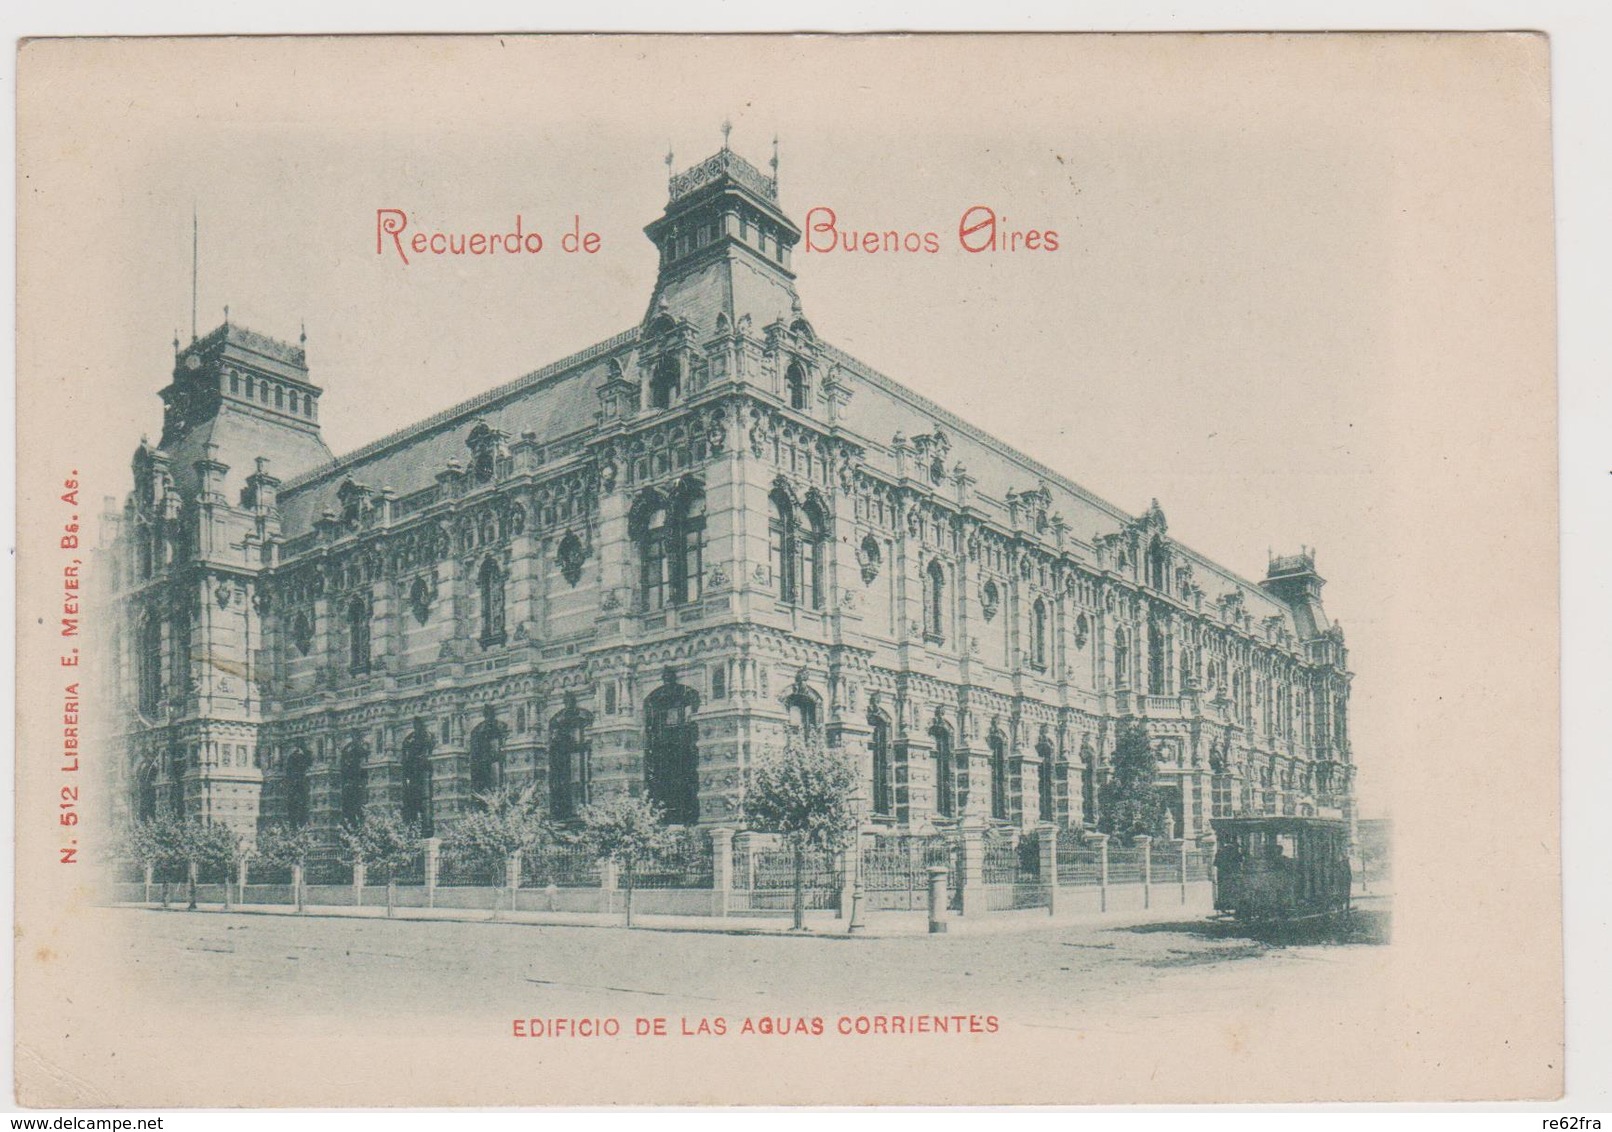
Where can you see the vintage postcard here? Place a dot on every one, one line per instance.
(835, 570)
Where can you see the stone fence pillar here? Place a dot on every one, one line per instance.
(1100, 840)
(1145, 844)
(240, 878)
(721, 870)
(150, 873)
(512, 877)
(973, 878)
(1047, 842)
(1184, 850)
(937, 899)
(607, 883)
(433, 868)
(358, 884)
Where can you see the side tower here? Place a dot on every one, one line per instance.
(200, 527)
(1324, 694)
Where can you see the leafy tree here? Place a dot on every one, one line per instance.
(142, 842)
(1129, 801)
(195, 843)
(381, 840)
(288, 846)
(505, 824)
(626, 831)
(804, 792)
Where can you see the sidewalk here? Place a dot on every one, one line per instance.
(820, 925)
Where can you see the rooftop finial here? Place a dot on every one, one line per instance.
(226, 314)
(727, 128)
(774, 159)
(302, 337)
(176, 340)
(668, 161)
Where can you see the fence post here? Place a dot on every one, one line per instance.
(1101, 841)
(1047, 842)
(607, 884)
(1145, 844)
(358, 884)
(1183, 846)
(937, 899)
(296, 886)
(721, 870)
(974, 902)
(150, 872)
(433, 864)
(512, 876)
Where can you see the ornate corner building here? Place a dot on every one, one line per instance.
(637, 567)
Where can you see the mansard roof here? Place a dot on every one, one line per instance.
(552, 403)
(560, 402)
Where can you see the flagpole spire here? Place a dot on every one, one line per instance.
(195, 263)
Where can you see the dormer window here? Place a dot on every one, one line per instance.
(795, 378)
(486, 445)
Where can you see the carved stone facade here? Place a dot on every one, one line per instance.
(634, 569)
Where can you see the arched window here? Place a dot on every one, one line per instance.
(487, 757)
(935, 601)
(780, 532)
(883, 769)
(569, 758)
(1122, 658)
(417, 778)
(358, 615)
(795, 378)
(1158, 566)
(1156, 667)
(1048, 781)
(145, 793)
(999, 775)
(667, 382)
(945, 779)
(354, 776)
(296, 788)
(491, 583)
(672, 752)
(671, 546)
(1038, 633)
(796, 545)
(150, 664)
(803, 711)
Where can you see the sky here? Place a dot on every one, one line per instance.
(1261, 311)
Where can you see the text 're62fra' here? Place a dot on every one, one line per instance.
(980, 229)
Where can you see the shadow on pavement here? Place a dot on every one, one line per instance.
(1358, 926)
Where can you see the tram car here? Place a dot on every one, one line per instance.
(1281, 868)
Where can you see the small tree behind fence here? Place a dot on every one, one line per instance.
(382, 843)
(627, 832)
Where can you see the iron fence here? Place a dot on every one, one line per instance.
(1079, 866)
(684, 863)
(1124, 866)
(897, 868)
(471, 870)
(774, 878)
(563, 866)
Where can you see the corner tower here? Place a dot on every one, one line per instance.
(725, 247)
